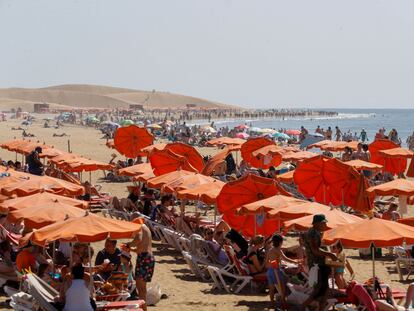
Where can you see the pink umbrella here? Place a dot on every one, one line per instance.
(242, 135)
(242, 127)
(293, 132)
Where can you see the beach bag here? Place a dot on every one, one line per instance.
(313, 275)
(153, 294)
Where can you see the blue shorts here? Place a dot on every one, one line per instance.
(271, 276)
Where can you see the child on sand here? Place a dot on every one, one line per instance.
(340, 265)
(275, 276)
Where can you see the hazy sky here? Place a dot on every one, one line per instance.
(254, 53)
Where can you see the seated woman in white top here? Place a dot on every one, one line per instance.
(77, 296)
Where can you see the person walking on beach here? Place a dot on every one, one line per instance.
(338, 133)
(328, 133)
(144, 268)
(316, 256)
(363, 136)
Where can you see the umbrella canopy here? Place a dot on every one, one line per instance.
(273, 203)
(127, 122)
(159, 181)
(208, 129)
(247, 189)
(363, 202)
(378, 145)
(333, 145)
(166, 161)
(154, 147)
(268, 156)
(154, 126)
(187, 182)
(135, 170)
(37, 184)
(10, 144)
(241, 127)
(327, 180)
(367, 232)
(206, 193)
(286, 177)
(293, 132)
(242, 135)
(334, 217)
(395, 187)
(280, 135)
(395, 159)
(39, 200)
(294, 211)
(397, 153)
(252, 145)
(363, 165)
(407, 221)
(131, 139)
(225, 141)
(86, 229)
(36, 217)
(192, 156)
(80, 164)
(298, 156)
(310, 139)
(215, 161)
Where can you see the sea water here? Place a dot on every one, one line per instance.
(347, 119)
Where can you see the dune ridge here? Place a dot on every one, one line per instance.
(98, 96)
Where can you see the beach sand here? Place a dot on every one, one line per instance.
(184, 291)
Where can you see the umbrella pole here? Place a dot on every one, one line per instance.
(373, 268)
(90, 177)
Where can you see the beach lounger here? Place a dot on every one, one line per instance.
(194, 265)
(403, 261)
(42, 292)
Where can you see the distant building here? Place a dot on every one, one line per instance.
(41, 108)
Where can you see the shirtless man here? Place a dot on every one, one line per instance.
(144, 268)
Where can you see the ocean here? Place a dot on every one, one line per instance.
(347, 119)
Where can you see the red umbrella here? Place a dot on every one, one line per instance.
(247, 189)
(166, 161)
(293, 132)
(131, 139)
(190, 153)
(252, 145)
(327, 180)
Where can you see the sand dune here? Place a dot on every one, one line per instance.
(104, 97)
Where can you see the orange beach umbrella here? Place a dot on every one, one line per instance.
(363, 165)
(252, 145)
(187, 182)
(131, 139)
(166, 161)
(85, 229)
(395, 187)
(247, 189)
(192, 156)
(39, 200)
(367, 232)
(37, 184)
(225, 141)
(206, 193)
(335, 219)
(136, 170)
(36, 217)
(158, 181)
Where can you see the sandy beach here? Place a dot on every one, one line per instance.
(183, 290)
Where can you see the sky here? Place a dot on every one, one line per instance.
(252, 53)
